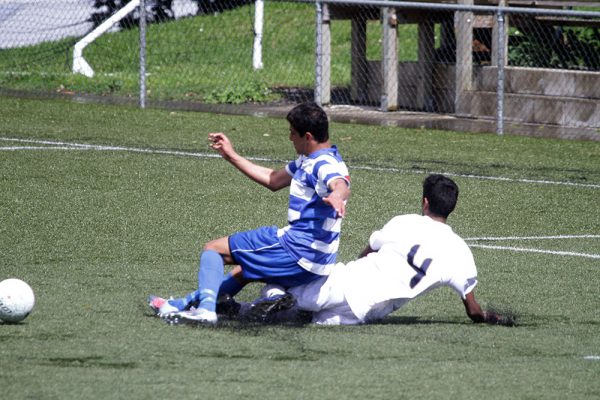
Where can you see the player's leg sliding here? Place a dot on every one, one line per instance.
(226, 305)
(229, 286)
(210, 276)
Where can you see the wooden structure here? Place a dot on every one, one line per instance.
(468, 85)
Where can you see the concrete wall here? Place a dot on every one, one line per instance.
(539, 96)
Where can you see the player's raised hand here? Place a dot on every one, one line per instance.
(338, 204)
(222, 144)
(338, 196)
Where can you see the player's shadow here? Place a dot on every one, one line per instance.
(413, 320)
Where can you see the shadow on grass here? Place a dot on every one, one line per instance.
(303, 319)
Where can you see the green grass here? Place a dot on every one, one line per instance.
(198, 58)
(95, 232)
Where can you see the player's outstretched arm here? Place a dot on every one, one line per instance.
(478, 315)
(267, 177)
(340, 192)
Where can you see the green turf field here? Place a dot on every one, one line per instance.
(97, 227)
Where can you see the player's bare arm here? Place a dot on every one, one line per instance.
(478, 315)
(340, 192)
(267, 177)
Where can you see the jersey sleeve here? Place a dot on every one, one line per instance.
(293, 166)
(464, 279)
(331, 169)
(326, 170)
(376, 240)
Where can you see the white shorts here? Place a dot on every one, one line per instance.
(325, 298)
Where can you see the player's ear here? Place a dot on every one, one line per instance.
(425, 205)
(309, 136)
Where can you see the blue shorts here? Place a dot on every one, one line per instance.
(262, 258)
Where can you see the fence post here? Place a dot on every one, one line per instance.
(259, 11)
(389, 96)
(319, 52)
(463, 28)
(142, 53)
(500, 88)
(323, 56)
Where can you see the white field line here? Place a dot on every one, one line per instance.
(520, 249)
(495, 239)
(74, 146)
(15, 148)
(482, 177)
(81, 146)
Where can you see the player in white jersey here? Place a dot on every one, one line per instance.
(301, 252)
(411, 255)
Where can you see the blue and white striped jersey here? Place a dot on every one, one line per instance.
(313, 230)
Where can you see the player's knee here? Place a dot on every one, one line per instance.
(220, 245)
(272, 290)
(209, 246)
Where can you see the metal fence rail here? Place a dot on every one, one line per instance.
(512, 65)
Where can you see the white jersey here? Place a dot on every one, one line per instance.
(413, 254)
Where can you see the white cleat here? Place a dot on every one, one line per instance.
(200, 316)
(161, 307)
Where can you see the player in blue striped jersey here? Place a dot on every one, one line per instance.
(297, 254)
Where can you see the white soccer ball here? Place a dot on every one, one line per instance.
(16, 300)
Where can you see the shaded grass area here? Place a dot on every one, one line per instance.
(95, 232)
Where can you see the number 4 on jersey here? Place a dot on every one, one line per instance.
(422, 270)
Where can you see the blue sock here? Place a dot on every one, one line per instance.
(210, 276)
(230, 285)
(183, 303)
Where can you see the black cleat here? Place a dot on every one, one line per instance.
(227, 306)
(263, 310)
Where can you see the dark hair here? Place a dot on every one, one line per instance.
(309, 117)
(442, 194)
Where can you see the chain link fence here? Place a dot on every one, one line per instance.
(506, 64)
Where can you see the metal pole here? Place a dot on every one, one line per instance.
(319, 54)
(500, 88)
(142, 54)
(259, 11)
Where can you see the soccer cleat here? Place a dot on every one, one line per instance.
(265, 308)
(200, 316)
(227, 306)
(160, 306)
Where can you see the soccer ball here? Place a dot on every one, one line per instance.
(16, 300)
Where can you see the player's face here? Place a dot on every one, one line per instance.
(299, 142)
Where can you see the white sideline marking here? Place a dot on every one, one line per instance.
(482, 177)
(74, 146)
(14, 148)
(591, 357)
(82, 146)
(554, 252)
(495, 239)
